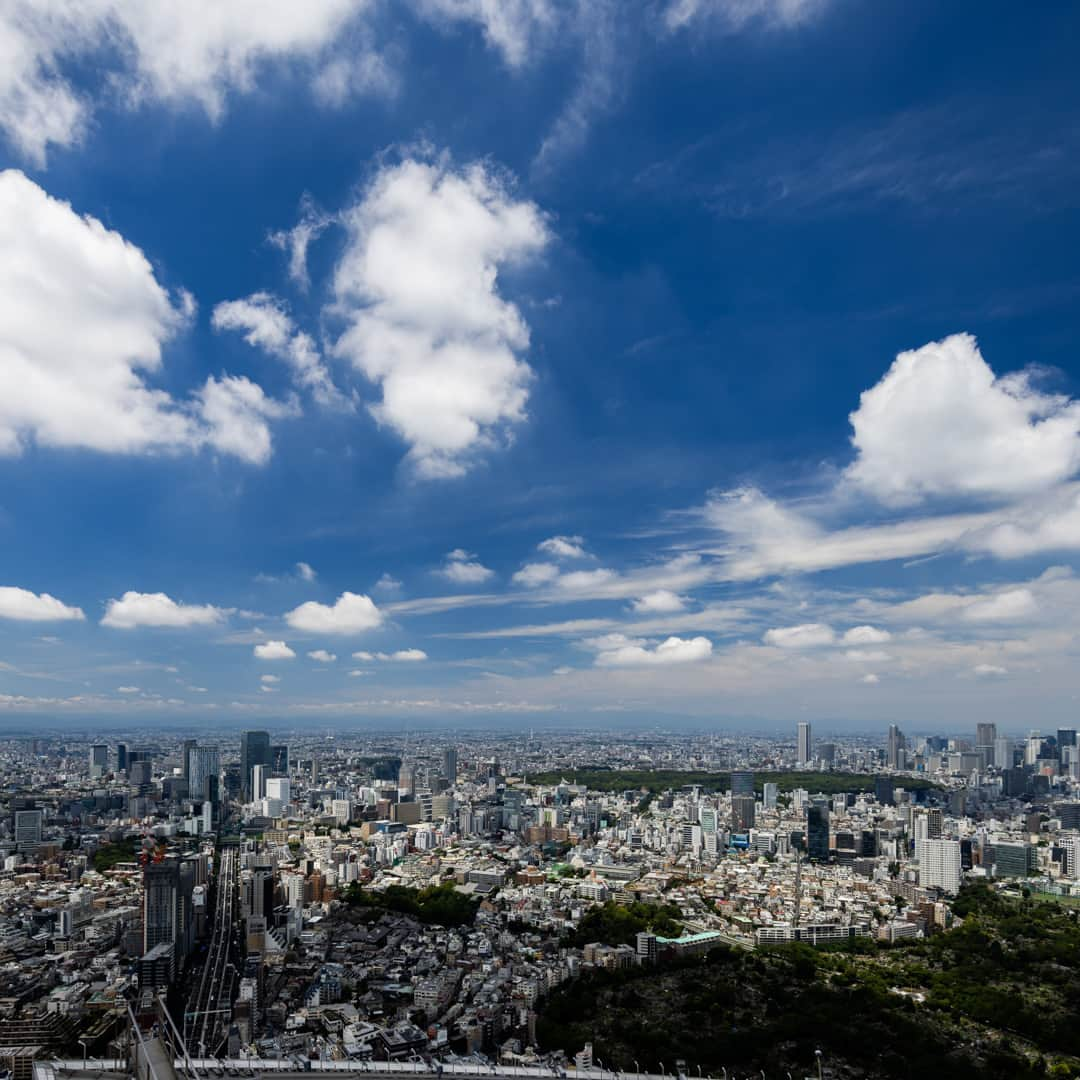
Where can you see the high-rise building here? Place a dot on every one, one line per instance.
(742, 812)
(939, 864)
(27, 828)
(826, 753)
(803, 754)
(894, 753)
(121, 757)
(254, 750)
(1003, 753)
(742, 783)
(99, 760)
(883, 790)
(185, 758)
(817, 830)
(407, 778)
(768, 795)
(279, 759)
(450, 766)
(203, 769)
(258, 781)
(161, 903)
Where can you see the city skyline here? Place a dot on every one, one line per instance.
(542, 365)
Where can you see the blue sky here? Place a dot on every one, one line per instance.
(544, 361)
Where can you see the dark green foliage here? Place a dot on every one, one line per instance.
(108, 855)
(441, 905)
(654, 780)
(616, 924)
(1002, 993)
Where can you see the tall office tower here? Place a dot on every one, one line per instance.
(203, 768)
(450, 766)
(817, 830)
(895, 746)
(1065, 737)
(279, 789)
(121, 757)
(1032, 748)
(27, 828)
(742, 812)
(185, 758)
(1071, 847)
(939, 864)
(407, 778)
(1003, 753)
(826, 753)
(314, 769)
(742, 783)
(279, 759)
(883, 790)
(803, 755)
(768, 795)
(934, 823)
(985, 737)
(258, 781)
(99, 760)
(254, 750)
(161, 903)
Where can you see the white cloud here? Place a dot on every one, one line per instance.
(270, 678)
(82, 323)
(660, 601)
(510, 26)
(135, 609)
(941, 423)
(296, 241)
(274, 650)
(673, 650)
(417, 288)
(564, 547)
(27, 606)
(532, 575)
(266, 324)
(1047, 523)
(462, 568)
(305, 572)
(1004, 606)
(388, 583)
(351, 613)
(735, 14)
(200, 52)
(870, 679)
(235, 411)
(322, 656)
(866, 635)
(805, 636)
(585, 580)
(127, 689)
(990, 670)
(402, 656)
(867, 656)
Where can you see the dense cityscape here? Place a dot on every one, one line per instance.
(291, 897)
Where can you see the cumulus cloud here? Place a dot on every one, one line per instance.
(564, 547)
(270, 678)
(135, 609)
(266, 324)
(510, 26)
(585, 580)
(1004, 606)
(388, 583)
(866, 635)
(83, 322)
(870, 679)
(804, 636)
(463, 568)
(322, 656)
(660, 601)
(305, 572)
(351, 613)
(532, 575)
(417, 289)
(26, 606)
(673, 650)
(273, 650)
(990, 670)
(941, 423)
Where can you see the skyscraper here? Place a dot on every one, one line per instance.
(203, 767)
(742, 783)
(939, 864)
(161, 903)
(99, 760)
(742, 812)
(803, 756)
(450, 766)
(279, 759)
(894, 750)
(254, 750)
(185, 758)
(121, 757)
(817, 830)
